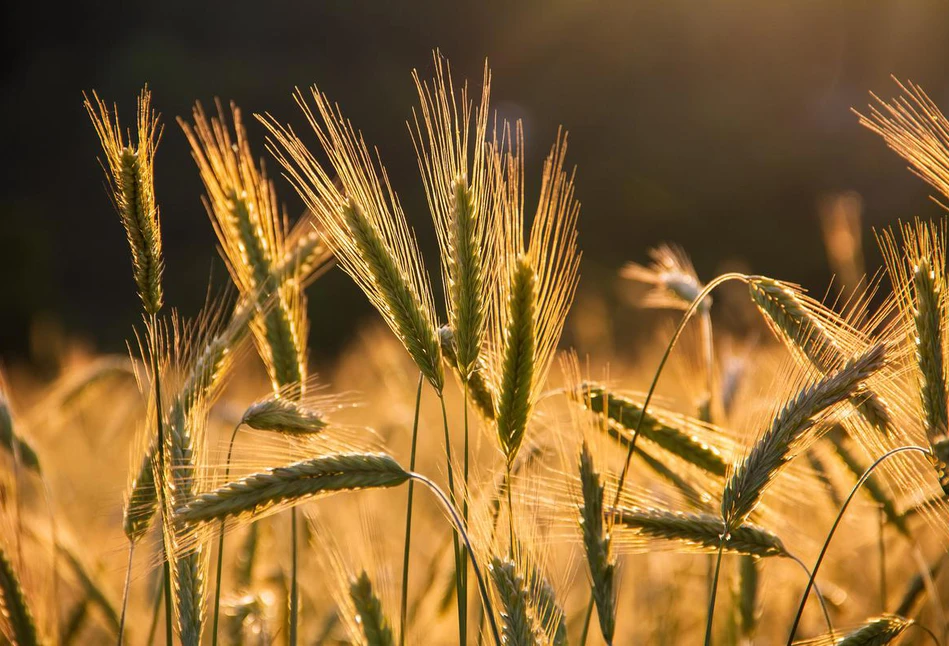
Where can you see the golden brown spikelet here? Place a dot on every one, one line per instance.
(362, 222)
(130, 169)
(914, 127)
(537, 280)
(459, 175)
(242, 204)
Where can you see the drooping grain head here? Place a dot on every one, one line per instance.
(817, 335)
(362, 222)
(13, 442)
(280, 487)
(877, 631)
(536, 285)
(914, 127)
(129, 167)
(242, 204)
(789, 433)
(673, 278)
(459, 175)
(282, 415)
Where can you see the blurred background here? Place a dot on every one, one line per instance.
(723, 126)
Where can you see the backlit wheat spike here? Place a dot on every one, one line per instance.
(363, 224)
(917, 271)
(805, 326)
(369, 615)
(18, 623)
(914, 127)
(627, 413)
(550, 617)
(788, 434)
(536, 286)
(596, 543)
(479, 390)
(675, 283)
(289, 484)
(698, 531)
(512, 592)
(458, 172)
(875, 632)
(283, 415)
(130, 169)
(242, 204)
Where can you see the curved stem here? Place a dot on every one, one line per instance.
(294, 590)
(125, 594)
(714, 591)
(460, 529)
(462, 619)
(833, 529)
(820, 596)
(220, 544)
(662, 363)
(403, 610)
(928, 632)
(586, 622)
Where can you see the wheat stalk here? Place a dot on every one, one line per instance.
(291, 483)
(748, 579)
(778, 445)
(699, 530)
(369, 614)
(130, 169)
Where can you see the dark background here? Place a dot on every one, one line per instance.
(718, 125)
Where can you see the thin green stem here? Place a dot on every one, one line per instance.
(294, 590)
(403, 610)
(463, 599)
(662, 363)
(460, 529)
(462, 619)
(881, 544)
(156, 606)
(125, 593)
(833, 529)
(510, 512)
(586, 622)
(712, 594)
(820, 596)
(160, 480)
(220, 544)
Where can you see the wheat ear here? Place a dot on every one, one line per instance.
(369, 614)
(629, 415)
(875, 632)
(362, 222)
(699, 531)
(129, 167)
(788, 431)
(596, 542)
(517, 625)
(291, 483)
(16, 610)
(799, 324)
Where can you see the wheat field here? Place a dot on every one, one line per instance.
(459, 475)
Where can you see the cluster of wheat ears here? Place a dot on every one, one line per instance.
(862, 396)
